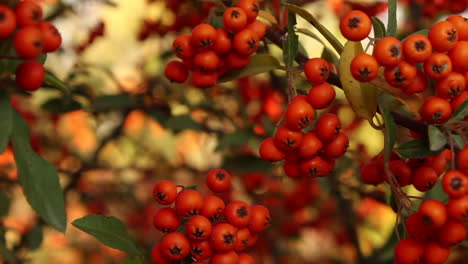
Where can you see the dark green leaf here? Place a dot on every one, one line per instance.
(182, 122)
(323, 30)
(392, 18)
(61, 105)
(53, 81)
(418, 148)
(461, 112)
(133, 260)
(159, 116)
(6, 120)
(191, 187)
(458, 140)
(217, 21)
(109, 231)
(259, 63)
(436, 193)
(379, 27)
(243, 164)
(424, 32)
(34, 237)
(38, 177)
(437, 139)
(234, 139)
(113, 102)
(389, 132)
(290, 46)
(6, 253)
(4, 204)
(329, 55)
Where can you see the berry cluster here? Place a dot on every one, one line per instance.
(31, 36)
(312, 153)
(206, 228)
(421, 173)
(209, 53)
(436, 226)
(443, 56)
(432, 8)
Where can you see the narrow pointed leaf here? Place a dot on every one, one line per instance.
(6, 120)
(109, 231)
(461, 112)
(38, 177)
(379, 27)
(361, 96)
(290, 46)
(418, 148)
(53, 81)
(336, 44)
(259, 63)
(392, 18)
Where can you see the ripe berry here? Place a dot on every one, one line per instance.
(222, 44)
(223, 237)
(364, 67)
(317, 70)
(321, 96)
(234, 19)
(245, 258)
(198, 228)
(299, 114)
(451, 233)
(443, 36)
(462, 160)
(237, 213)
(451, 85)
(175, 246)
(30, 75)
(207, 60)
(388, 51)
(258, 27)
(7, 21)
(457, 208)
(28, 42)
(176, 71)
(401, 75)
(327, 127)
(200, 250)
(229, 257)
(246, 42)
(438, 66)
(235, 60)
(436, 110)
(337, 147)
(166, 220)
(424, 178)
(310, 145)
(218, 180)
(182, 46)
(315, 167)
(355, 25)
(418, 229)
(51, 38)
(435, 254)
(213, 207)
(259, 218)
(434, 212)
(417, 48)
(165, 192)
(287, 139)
(188, 202)
(204, 79)
(371, 174)
(408, 251)
(461, 25)
(157, 257)
(458, 55)
(250, 7)
(28, 13)
(203, 36)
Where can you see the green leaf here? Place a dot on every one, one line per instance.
(234, 139)
(392, 18)
(4, 204)
(182, 122)
(290, 46)
(259, 63)
(436, 193)
(160, 116)
(437, 139)
(61, 105)
(389, 132)
(6, 120)
(112, 102)
(362, 96)
(424, 32)
(133, 260)
(323, 30)
(53, 81)
(34, 237)
(109, 231)
(418, 148)
(458, 140)
(242, 164)
(217, 21)
(461, 112)
(38, 177)
(6, 253)
(379, 27)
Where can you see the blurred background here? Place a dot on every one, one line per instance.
(126, 127)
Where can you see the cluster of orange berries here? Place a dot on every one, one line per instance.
(206, 228)
(443, 56)
(436, 226)
(31, 37)
(210, 53)
(312, 153)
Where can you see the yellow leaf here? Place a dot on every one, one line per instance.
(361, 96)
